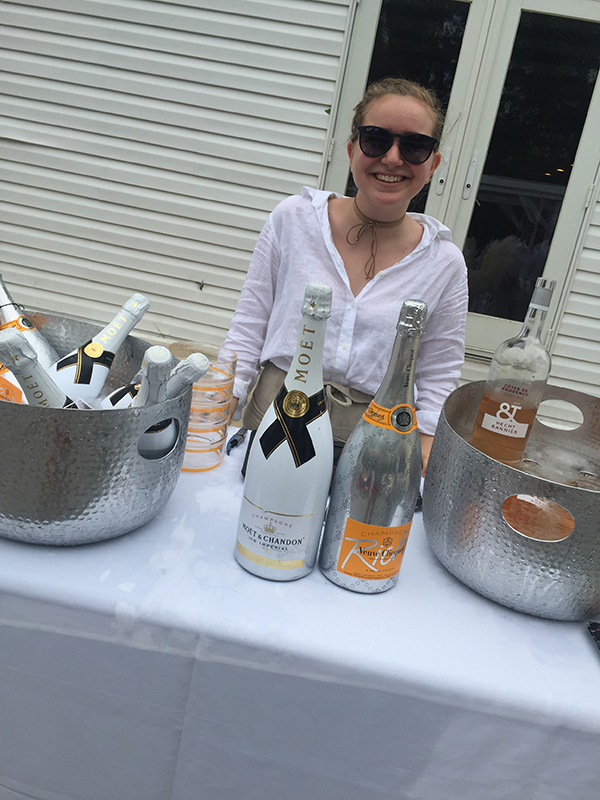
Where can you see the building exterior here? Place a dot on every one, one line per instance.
(143, 143)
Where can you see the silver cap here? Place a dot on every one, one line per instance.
(542, 294)
(317, 301)
(413, 316)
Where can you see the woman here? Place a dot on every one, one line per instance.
(374, 255)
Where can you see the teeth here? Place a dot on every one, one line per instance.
(390, 178)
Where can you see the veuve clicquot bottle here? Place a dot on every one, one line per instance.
(38, 387)
(515, 385)
(82, 373)
(376, 482)
(290, 464)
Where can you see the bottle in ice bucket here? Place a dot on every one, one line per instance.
(82, 373)
(290, 464)
(515, 385)
(183, 375)
(160, 439)
(11, 316)
(38, 387)
(376, 481)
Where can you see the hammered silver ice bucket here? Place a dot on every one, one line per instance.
(463, 500)
(71, 477)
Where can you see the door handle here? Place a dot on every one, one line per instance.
(470, 176)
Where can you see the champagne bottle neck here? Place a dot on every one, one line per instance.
(306, 370)
(112, 336)
(38, 387)
(398, 383)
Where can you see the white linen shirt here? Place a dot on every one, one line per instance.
(296, 248)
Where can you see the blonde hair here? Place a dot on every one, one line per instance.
(403, 88)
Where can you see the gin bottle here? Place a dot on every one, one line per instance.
(83, 372)
(376, 482)
(515, 385)
(21, 358)
(290, 464)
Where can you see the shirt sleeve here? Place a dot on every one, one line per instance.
(247, 332)
(442, 350)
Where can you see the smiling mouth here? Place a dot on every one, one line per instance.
(389, 178)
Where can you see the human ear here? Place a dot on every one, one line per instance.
(435, 163)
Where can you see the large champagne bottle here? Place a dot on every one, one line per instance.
(290, 464)
(376, 482)
(82, 373)
(515, 385)
(11, 316)
(38, 387)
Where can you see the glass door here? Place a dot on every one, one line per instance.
(514, 196)
(519, 149)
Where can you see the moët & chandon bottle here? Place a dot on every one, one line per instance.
(290, 464)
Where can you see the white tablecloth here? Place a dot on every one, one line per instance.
(152, 667)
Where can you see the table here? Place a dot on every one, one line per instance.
(152, 667)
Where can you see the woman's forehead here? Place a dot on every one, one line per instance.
(399, 113)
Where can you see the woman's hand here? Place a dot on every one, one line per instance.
(426, 442)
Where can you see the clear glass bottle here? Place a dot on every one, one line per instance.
(290, 464)
(515, 385)
(82, 373)
(38, 387)
(376, 482)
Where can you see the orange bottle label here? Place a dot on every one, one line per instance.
(400, 419)
(372, 552)
(7, 390)
(21, 324)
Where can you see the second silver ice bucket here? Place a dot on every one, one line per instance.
(464, 511)
(71, 477)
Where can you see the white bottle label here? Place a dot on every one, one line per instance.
(504, 422)
(275, 541)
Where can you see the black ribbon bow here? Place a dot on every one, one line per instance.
(293, 429)
(85, 363)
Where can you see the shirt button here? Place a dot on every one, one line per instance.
(344, 346)
(352, 304)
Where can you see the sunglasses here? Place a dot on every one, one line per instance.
(414, 147)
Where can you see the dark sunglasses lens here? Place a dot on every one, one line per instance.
(375, 142)
(416, 147)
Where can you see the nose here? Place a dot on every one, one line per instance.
(393, 155)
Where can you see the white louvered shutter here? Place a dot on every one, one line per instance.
(142, 145)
